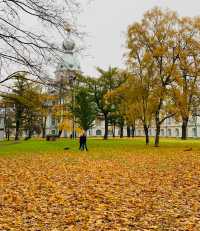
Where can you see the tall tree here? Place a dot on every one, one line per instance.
(142, 88)
(107, 81)
(84, 109)
(157, 34)
(136, 101)
(32, 111)
(26, 111)
(8, 118)
(186, 87)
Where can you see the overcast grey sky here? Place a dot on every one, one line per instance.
(106, 23)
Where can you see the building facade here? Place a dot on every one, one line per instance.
(170, 128)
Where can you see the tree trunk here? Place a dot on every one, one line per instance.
(157, 134)
(184, 128)
(60, 132)
(44, 127)
(133, 131)
(157, 120)
(43, 132)
(18, 120)
(106, 126)
(30, 133)
(128, 131)
(5, 123)
(17, 129)
(113, 130)
(146, 131)
(122, 131)
(8, 134)
(30, 128)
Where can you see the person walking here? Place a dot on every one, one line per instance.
(83, 142)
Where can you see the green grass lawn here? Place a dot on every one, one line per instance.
(95, 145)
(119, 184)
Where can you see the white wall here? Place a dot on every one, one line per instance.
(1, 135)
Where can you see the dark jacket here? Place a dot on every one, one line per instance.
(83, 139)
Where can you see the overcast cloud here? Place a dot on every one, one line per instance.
(106, 22)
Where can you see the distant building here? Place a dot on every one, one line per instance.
(170, 128)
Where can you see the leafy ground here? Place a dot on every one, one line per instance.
(117, 185)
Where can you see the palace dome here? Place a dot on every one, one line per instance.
(69, 45)
(69, 60)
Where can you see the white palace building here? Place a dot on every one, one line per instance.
(170, 128)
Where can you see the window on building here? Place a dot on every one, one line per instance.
(150, 132)
(119, 132)
(169, 132)
(98, 132)
(194, 119)
(194, 132)
(139, 132)
(177, 132)
(53, 132)
(53, 121)
(162, 132)
(169, 121)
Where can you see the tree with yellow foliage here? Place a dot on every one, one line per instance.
(185, 89)
(157, 35)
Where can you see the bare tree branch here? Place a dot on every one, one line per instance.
(25, 47)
